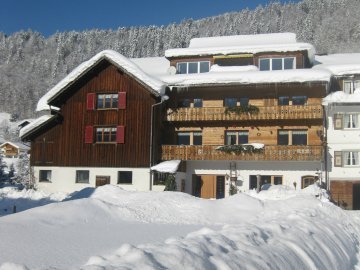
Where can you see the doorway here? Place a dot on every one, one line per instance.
(208, 186)
(102, 180)
(356, 196)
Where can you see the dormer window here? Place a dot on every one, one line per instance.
(279, 63)
(192, 67)
(350, 86)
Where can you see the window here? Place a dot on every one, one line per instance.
(105, 134)
(185, 103)
(236, 137)
(244, 101)
(192, 67)
(294, 100)
(283, 101)
(264, 179)
(183, 138)
(189, 138)
(299, 137)
(292, 137)
(351, 158)
(280, 63)
(283, 137)
(198, 102)
(351, 121)
(160, 178)
(82, 176)
(350, 86)
(44, 175)
(230, 102)
(197, 138)
(125, 177)
(107, 101)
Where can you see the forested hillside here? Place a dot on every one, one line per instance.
(30, 64)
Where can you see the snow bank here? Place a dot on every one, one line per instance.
(25, 199)
(169, 166)
(248, 77)
(154, 66)
(114, 57)
(342, 97)
(110, 228)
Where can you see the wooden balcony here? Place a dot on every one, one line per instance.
(268, 153)
(265, 113)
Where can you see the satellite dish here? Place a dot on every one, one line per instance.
(171, 70)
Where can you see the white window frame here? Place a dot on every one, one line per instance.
(351, 120)
(236, 133)
(282, 62)
(352, 157)
(187, 66)
(353, 85)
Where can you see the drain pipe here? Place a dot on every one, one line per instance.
(163, 99)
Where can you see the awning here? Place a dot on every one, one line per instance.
(169, 166)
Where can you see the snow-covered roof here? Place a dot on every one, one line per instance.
(248, 77)
(342, 97)
(279, 42)
(154, 66)
(243, 40)
(339, 64)
(169, 166)
(114, 57)
(35, 124)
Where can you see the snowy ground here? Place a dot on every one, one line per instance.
(109, 228)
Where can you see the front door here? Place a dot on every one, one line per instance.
(102, 180)
(209, 186)
(307, 181)
(356, 196)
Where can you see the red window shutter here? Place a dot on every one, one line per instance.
(89, 134)
(120, 134)
(90, 101)
(122, 100)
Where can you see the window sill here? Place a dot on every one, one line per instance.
(44, 181)
(82, 183)
(127, 184)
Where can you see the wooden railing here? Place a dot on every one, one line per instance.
(269, 152)
(265, 113)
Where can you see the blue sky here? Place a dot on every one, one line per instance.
(49, 16)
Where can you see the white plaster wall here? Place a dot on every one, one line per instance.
(63, 178)
(342, 140)
(291, 171)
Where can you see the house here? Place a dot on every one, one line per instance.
(100, 130)
(342, 107)
(12, 150)
(231, 113)
(246, 114)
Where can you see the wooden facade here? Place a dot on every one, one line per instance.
(346, 194)
(64, 143)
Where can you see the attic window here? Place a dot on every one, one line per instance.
(107, 101)
(281, 63)
(192, 67)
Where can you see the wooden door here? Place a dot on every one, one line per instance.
(102, 180)
(208, 186)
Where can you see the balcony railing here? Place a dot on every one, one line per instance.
(265, 113)
(269, 152)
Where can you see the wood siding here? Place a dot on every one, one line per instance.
(64, 144)
(342, 193)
